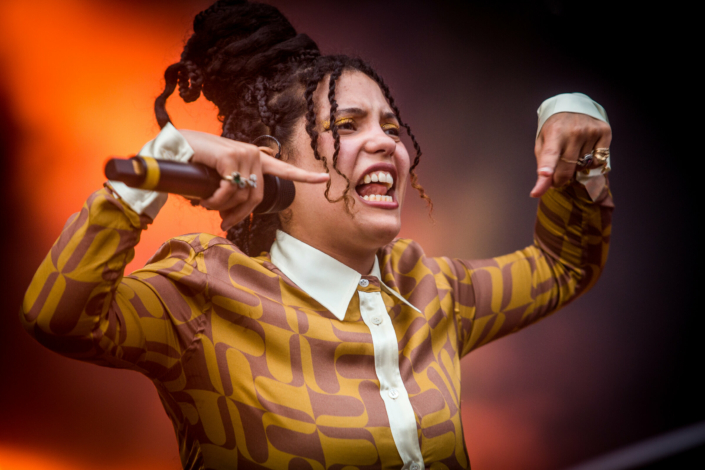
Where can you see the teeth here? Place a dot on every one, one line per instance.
(377, 198)
(379, 177)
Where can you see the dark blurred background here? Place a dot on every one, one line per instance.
(622, 364)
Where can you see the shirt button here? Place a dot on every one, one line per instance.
(415, 466)
(364, 283)
(377, 320)
(393, 394)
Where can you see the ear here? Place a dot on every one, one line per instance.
(269, 151)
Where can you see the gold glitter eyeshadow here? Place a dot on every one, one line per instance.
(339, 122)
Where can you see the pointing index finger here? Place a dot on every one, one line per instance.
(287, 171)
(548, 151)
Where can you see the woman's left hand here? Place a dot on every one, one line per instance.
(563, 139)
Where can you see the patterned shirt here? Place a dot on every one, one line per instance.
(272, 362)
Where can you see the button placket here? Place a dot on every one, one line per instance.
(401, 415)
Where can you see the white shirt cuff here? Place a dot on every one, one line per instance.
(168, 145)
(570, 103)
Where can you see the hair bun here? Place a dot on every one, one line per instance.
(233, 43)
(198, 21)
(237, 40)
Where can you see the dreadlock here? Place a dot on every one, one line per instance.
(249, 61)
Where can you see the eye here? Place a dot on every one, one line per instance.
(391, 129)
(345, 124)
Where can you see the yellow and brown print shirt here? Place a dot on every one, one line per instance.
(255, 372)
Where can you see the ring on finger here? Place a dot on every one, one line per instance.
(252, 181)
(601, 155)
(236, 179)
(583, 161)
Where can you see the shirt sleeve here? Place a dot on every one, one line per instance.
(168, 145)
(498, 296)
(79, 303)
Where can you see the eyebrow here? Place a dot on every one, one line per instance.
(362, 112)
(351, 111)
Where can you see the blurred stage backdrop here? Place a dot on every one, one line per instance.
(77, 83)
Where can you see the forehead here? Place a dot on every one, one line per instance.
(354, 89)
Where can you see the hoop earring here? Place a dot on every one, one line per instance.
(279, 146)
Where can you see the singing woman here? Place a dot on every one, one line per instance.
(312, 338)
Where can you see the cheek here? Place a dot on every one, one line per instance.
(347, 155)
(403, 160)
(403, 164)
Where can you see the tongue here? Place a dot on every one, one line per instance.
(371, 188)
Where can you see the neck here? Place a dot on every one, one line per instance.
(361, 260)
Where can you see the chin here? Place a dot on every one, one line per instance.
(380, 233)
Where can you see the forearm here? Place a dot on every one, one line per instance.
(571, 241)
(512, 291)
(573, 232)
(71, 293)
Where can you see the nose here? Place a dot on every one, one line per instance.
(378, 142)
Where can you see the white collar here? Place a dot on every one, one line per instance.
(327, 280)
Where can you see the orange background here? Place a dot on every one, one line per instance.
(77, 85)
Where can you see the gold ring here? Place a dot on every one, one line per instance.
(568, 161)
(601, 155)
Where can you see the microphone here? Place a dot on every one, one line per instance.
(192, 180)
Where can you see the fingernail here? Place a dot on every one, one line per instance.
(545, 171)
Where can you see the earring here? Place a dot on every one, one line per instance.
(279, 146)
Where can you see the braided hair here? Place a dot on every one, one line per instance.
(250, 62)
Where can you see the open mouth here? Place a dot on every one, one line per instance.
(378, 184)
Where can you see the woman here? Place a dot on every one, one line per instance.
(311, 338)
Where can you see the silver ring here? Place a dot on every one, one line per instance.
(252, 180)
(586, 160)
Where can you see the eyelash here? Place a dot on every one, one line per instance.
(343, 123)
(391, 127)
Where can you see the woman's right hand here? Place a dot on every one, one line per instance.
(226, 156)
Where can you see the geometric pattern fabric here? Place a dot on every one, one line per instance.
(254, 373)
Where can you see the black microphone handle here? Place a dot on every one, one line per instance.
(192, 180)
